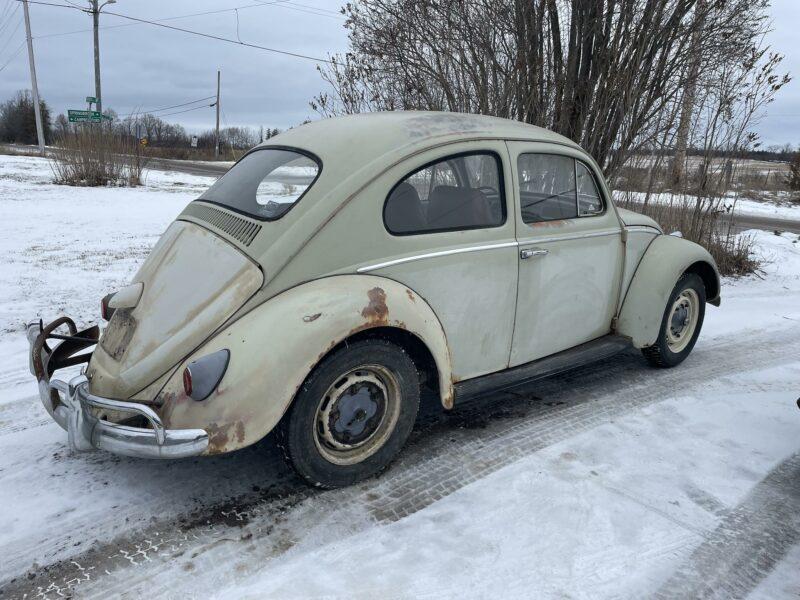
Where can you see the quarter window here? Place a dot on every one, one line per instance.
(458, 192)
(589, 202)
(553, 187)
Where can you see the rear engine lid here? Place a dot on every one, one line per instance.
(193, 281)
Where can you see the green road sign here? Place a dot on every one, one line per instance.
(91, 99)
(85, 116)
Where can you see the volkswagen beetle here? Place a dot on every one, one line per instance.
(337, 269)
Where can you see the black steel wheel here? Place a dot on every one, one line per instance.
(352, 415)
(681, 323)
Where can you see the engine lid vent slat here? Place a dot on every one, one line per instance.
(238, 228)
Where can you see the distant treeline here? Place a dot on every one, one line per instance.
(785, 153)
(18, 126)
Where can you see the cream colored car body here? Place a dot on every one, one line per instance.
(280, 295)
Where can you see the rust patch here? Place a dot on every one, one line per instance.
(221, 437)
(410, 295)
(376, 312)
(547, 224)
(310, 318)
(217, 438)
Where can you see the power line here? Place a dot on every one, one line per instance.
(13, 56)
(327, 10)
(10, 18)
(311, 10)
(175, 18)
(8, 12)
(154, 110)
(177, 112)
(197, 33)
(220, 38)
(11, 37)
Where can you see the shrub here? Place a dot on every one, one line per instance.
(793, 179)
(95, 156)
(705, 221)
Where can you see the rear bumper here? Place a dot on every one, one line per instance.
(70, 404)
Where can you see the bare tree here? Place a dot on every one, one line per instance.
(612, 75)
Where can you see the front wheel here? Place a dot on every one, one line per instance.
(352, 415)
(680, 326)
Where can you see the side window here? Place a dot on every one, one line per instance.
(458, 192)
(546, 187)
(553, 187)
(589, 202)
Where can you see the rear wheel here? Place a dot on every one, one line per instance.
(352, 415)
(681, 323)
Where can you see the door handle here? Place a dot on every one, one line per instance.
(531, 252)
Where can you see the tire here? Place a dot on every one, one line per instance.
(352, 415)
(675, 340)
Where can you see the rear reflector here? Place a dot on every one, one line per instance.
(106, 312)
(187, 381)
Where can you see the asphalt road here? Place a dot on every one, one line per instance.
(740, 223)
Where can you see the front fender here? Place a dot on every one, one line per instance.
(666, 259)
(275, 346)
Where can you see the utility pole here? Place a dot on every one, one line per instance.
(95, 26)
(216, 135)
(36, 108)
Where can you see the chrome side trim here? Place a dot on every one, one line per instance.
(538, 240)
(643, 229)
(407, 259)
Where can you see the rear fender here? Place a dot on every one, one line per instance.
(666, 259)
(276, 345)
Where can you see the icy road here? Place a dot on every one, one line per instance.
(615, 481)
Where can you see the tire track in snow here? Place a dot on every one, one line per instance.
(747, 545)
(445, 454)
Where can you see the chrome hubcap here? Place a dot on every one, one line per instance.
(357, 414)
(683, 320)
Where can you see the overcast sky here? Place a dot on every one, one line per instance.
(146, 67)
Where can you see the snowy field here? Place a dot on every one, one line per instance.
(614, 481)
(788, 209)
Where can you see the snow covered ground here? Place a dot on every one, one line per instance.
(788, 209)
(614, 481)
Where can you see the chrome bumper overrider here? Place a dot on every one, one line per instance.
(70, 404)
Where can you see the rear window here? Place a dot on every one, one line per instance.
(265, 183)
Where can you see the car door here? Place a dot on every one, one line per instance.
(448, 233)
(570, 251)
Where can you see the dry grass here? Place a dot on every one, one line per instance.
(94, 156)
(704, 221)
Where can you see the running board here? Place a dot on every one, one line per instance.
(579, 356)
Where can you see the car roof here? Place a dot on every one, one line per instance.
(394, 134)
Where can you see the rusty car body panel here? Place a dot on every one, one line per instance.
(286, 338)
(281, 294)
